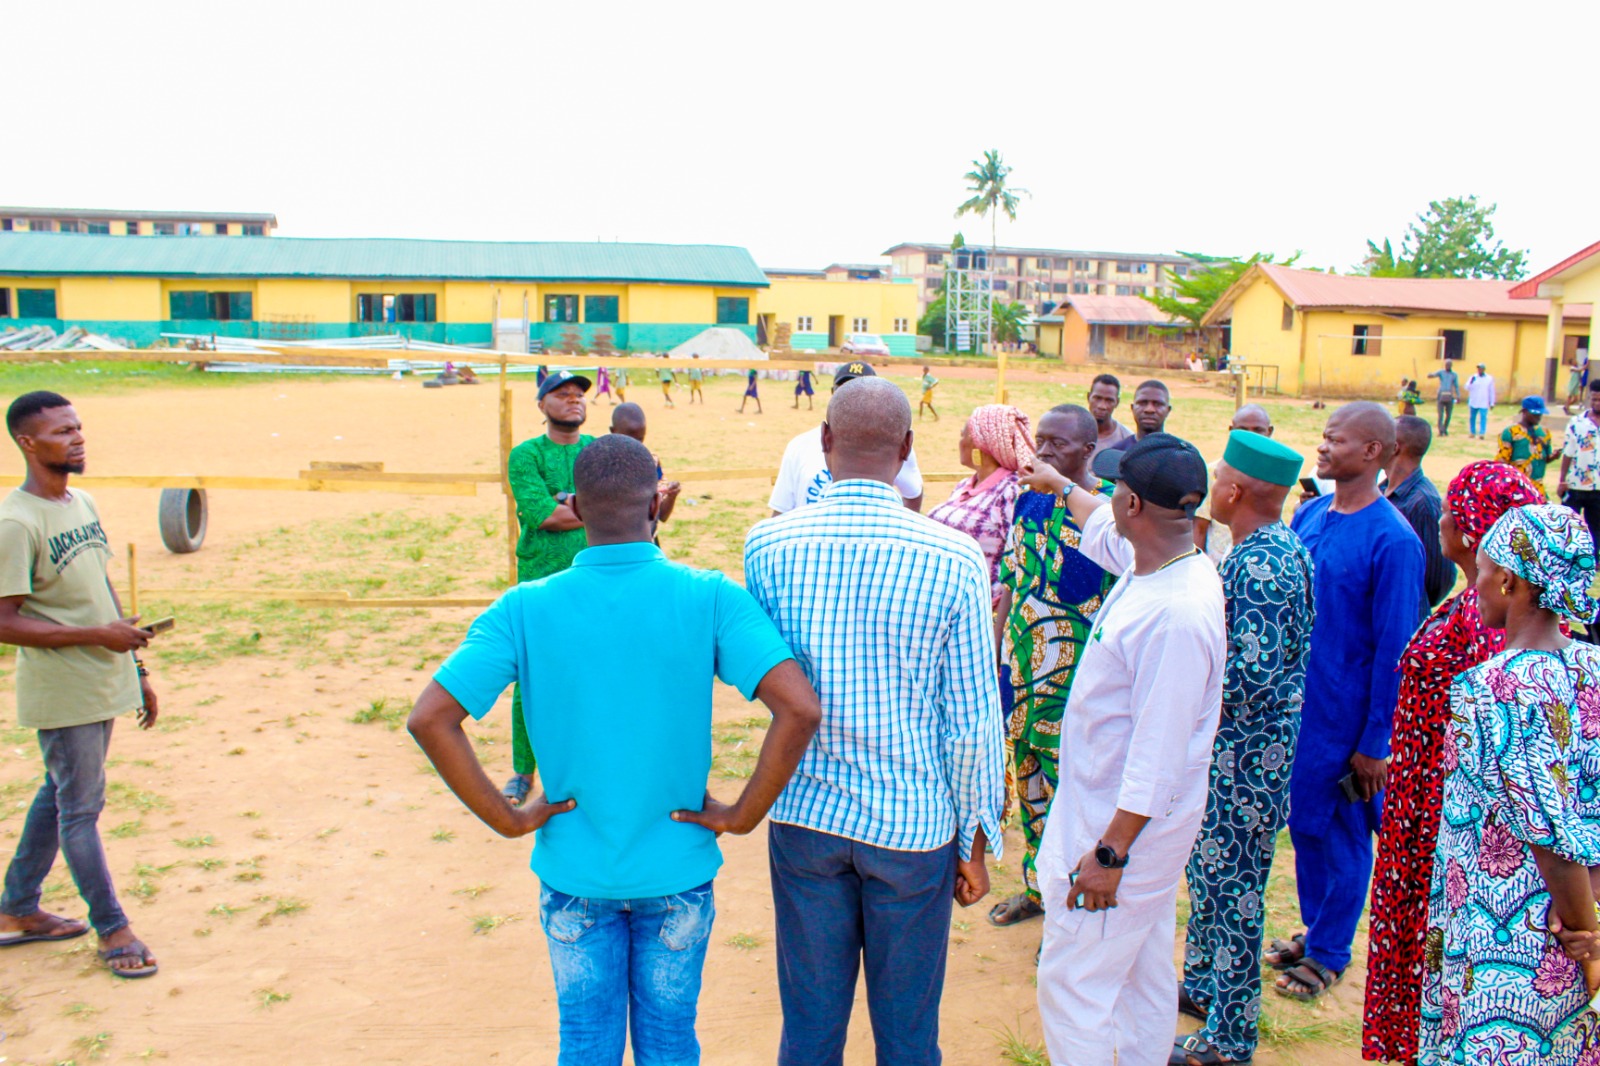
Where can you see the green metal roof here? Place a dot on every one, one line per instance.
(58, 254)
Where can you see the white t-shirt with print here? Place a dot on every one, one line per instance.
(804, 474)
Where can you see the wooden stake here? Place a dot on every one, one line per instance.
(133, 578)
(1000, 377)
(505, 473)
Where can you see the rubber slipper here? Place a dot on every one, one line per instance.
(1019, 908)
(33, 936)
(1195, 1047)
(136, 948)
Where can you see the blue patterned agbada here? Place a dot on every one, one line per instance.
(1267, 582)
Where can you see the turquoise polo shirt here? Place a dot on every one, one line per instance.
(616, 657)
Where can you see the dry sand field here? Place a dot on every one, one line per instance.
(312, 891)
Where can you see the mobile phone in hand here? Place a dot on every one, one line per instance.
(1309, 486)
(1351, 787)
(160, 625)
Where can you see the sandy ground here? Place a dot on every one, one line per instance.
(310, 888)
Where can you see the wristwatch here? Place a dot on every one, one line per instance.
(1107, 858)
(563, 497)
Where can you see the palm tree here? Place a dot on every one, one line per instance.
(991, 195)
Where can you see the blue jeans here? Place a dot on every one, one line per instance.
(835, 902)
(1478, 421)
(65, 816)
(651, 949)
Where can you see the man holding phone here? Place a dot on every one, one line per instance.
(75, 676)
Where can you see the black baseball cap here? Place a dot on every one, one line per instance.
(560, 378)
(1160, 468)
(851, 371)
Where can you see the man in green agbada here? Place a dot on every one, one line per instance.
(540, 473)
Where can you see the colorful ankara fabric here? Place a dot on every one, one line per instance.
(1581, 444)
(1055, 593)
(1452, 640)
(1267, 583)
(1527, 450)
(983, 512)
(1482, 492)
(1523, 757)
(1003, 433)
(910, 753)
(1549, 546)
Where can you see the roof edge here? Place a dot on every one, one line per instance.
(1529, 289)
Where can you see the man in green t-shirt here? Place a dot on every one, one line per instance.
(75, 676)
(666, 386)
(540, 473)
(928, 383)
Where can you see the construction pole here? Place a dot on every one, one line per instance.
(133, 578)
(1238, 388)
(505, 475)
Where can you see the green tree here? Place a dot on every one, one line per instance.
(992, 194)
(1454, 238)
(1195, 294)
(1008, 319)
(931, 324)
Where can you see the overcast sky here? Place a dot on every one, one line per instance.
(818, 131)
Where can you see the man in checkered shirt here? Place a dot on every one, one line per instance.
(900, 793)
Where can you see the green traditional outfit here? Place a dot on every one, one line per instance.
(1055, 594)
(540, 468)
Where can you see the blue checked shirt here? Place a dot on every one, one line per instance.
(888, 614)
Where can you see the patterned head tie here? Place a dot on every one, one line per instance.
(1003, 433)
(1484, 491)
(1549, 546)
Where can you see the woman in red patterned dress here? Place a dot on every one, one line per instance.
(1453, 639)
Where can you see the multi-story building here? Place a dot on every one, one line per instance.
(136, 223)
(1042, 278)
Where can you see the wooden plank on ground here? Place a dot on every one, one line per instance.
(397, 476)
(310, 598)
(340, 465)
(279, 484)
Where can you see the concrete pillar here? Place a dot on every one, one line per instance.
(1552, 352)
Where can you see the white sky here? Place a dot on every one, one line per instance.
(818, 131)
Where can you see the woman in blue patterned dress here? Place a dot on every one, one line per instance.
(1520, 828)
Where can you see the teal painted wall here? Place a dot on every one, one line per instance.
(900, 343)
(815, 341)
(551, 333)
(658, 337)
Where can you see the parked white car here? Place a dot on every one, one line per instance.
(863, 344)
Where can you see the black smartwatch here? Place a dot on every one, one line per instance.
(1107, 857)
(563, 497)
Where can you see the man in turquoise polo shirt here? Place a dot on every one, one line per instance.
(627, 851)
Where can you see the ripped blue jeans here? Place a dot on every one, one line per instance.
(651, 949)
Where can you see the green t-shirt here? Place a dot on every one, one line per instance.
(539, 469)
(666, 377)
(928, 382)
(694, 375)
(55, 555)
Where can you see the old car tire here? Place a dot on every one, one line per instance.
(183, 519)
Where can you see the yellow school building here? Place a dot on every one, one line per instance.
(1569, 287)
(823, 308)
(1329, 334)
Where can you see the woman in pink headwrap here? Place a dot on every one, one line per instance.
(995, 443)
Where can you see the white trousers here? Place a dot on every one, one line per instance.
(1108, 997)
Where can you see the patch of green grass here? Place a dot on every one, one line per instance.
(744, 941)
(123, 796)
(473, 891)
(125, 830)
(280, 907)
(209, 864)
(443, 836)
(144, 869)
(80, 1010)
(205, 840)
(1288, 1025)
(172, 723)
(249, 814)
(484, 924)
(144, 890)
(382, 710)
(225, 910)
(95, 1046)
(267, 997)
(246, 876)
(1020, 1051)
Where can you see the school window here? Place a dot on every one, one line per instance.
(1123, 290)
(1288, 315)
(220, 306)
(1181, 271)
(561, 309)
(72, 227)
(1080, 288)
(600, 309)
(1044, 264)
(5, 303)
(101, 228)
(1367, 340)
(402, 307)
(188, 229)
(1081, 264)
(934, 283)
(166, 229)
(1124, 268)
(1141, 268)
(133, 228)
(902, 325)
(1453, 344)
(36, 303)
(935, 258)
(222, 229)
(1137, 334)
(41, 225)
(733, 310)
(254, 229)
(5, 225)
(802, 324)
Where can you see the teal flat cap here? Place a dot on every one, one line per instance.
(1262, 457)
